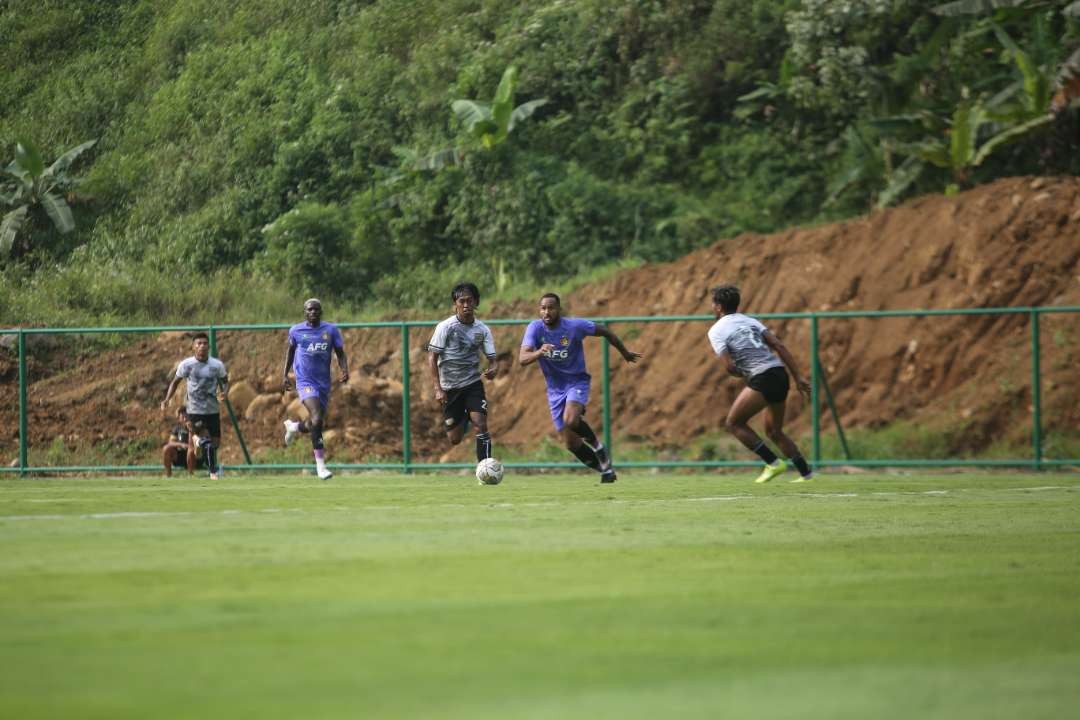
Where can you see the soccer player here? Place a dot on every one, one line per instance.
(454, 360)
(179, 451)
(205, 377)
(749, 350)
(310, 344)
(556, 343)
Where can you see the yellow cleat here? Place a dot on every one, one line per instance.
(771, 471)
(803, 479)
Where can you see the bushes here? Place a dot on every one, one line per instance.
(220, 119)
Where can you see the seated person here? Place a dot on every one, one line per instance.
(179, 451)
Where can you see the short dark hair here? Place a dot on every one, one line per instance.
(198, 335)
(553, 296)
(465, 287)
(182, 410)
(727, 297)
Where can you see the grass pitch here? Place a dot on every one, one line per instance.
(662, 596)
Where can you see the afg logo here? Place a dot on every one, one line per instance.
(318, 347)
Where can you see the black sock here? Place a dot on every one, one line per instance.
(483, 446)
(800, 463)
(765, 453)
(582, 428)
(210, 457)
(587, 456)
(316, 438)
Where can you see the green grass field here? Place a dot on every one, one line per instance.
(662, 596)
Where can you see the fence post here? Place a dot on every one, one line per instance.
(605, 379)
(406, 430)
(23, 443)
(815, 411)
(1036, 392)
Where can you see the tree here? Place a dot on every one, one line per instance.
(36, 186)
(491, 123)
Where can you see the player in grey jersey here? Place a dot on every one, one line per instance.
(454, 360)
(749, 350)
(205, 376)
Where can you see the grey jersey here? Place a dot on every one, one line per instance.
(740, 336)
(458, 346)
(202, 381)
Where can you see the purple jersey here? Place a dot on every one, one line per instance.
(314, 346)
(565, 364)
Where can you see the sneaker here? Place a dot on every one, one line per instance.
(803, 478)
(292, 429)
(324, 473)
(608, 476)
(771, 471)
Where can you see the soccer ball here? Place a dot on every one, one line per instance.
(489, 471)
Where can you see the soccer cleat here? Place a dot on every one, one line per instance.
(214, 476)
(803, 478)
(608, 476)
(292, 429)
(771, 471)
(324, 473)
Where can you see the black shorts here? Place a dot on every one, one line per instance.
(462, 401)
(772, 383)
(206, 424)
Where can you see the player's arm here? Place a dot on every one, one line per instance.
(433, 366)
(223, 384)
(169, 392)
(527, 355)
(286, 384)
(628, 355)
(489, 352)
(729, 364)
(492, 367)
(789, 361)
(343, 364)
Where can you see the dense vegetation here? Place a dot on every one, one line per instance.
(251, 151)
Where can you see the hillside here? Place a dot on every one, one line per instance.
(1015, 242)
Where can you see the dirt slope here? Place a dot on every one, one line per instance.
(1012, 243)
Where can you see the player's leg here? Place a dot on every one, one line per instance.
(455, 415)
(167, 456)
(293, 428)
(477, 405)
(191, 459)
(749, 403)
(774, 429)
(208, 428)
(316, 419)
(571, 420)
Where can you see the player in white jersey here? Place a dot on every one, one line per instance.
(454, 360)
(205, 376)
(748, 350)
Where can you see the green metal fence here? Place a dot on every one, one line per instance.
(817, 378)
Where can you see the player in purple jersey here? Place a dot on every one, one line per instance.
(310, 345)
(556, 343)
(748, 350)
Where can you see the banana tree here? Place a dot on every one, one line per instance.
(491, 123)
(32, 185)
(960, 152)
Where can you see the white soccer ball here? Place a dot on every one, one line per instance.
(489, 471)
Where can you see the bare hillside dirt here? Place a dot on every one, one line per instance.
(1014, 243)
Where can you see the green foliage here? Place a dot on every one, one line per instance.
(491, 123)
(218, 120)
(36, 187)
